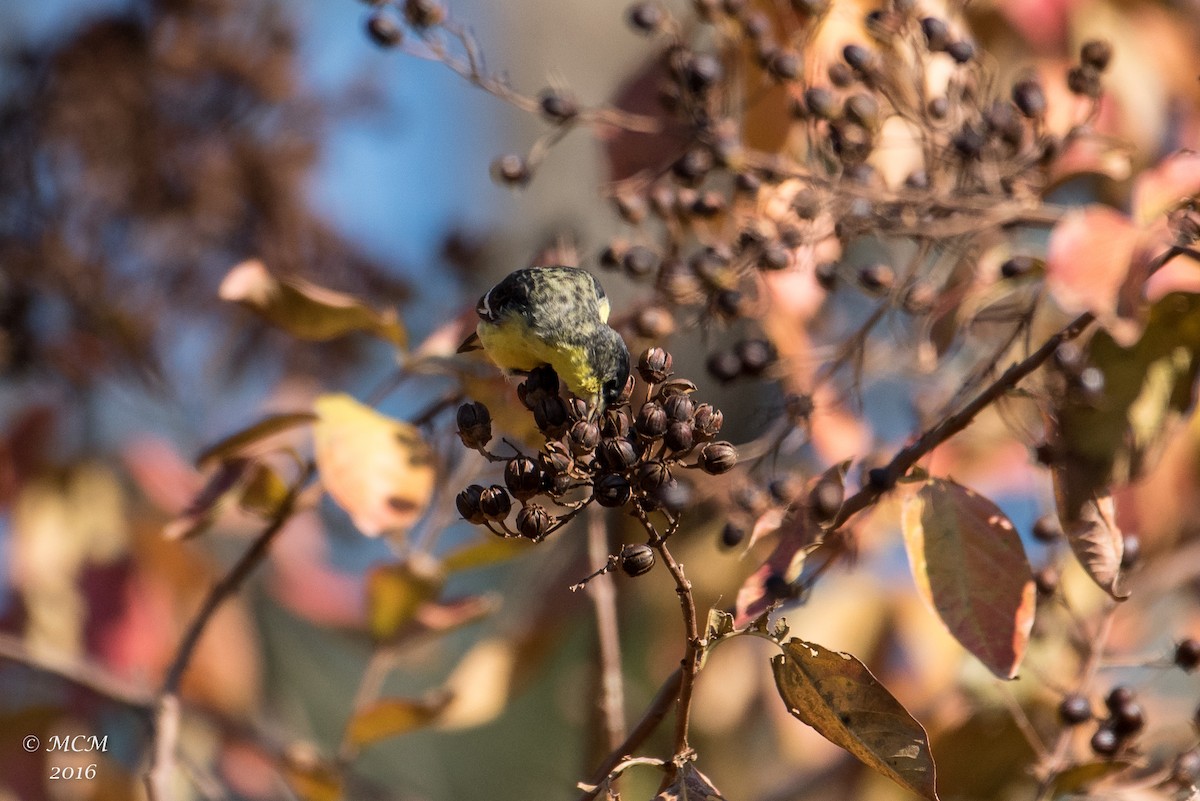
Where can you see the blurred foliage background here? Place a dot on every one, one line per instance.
(148, 146)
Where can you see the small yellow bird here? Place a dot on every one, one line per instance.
(556, 316)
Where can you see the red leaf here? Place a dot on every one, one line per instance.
(1088, 260)
(1157, 190)
(969, 565)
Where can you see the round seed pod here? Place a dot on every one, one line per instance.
(468, 504)
(651, 421)
(533, 521)
(474, 425)
(612, 490)
(495, 503)
(637, 560)
(717, 458)
(523, 477)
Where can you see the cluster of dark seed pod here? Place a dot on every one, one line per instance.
(623, 458)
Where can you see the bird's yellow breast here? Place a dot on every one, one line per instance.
(512, 346)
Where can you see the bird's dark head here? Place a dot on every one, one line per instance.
(612, 365)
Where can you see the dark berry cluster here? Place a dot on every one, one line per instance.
(627, 458)
(1124, 721)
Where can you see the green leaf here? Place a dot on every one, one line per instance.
(393, 716)
(237, 444)
(396, 592)
(305, 310)
(263, 491)
(1147, 387)
(969, 565)
(836, 695)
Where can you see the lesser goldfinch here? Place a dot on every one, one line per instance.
(556, 316)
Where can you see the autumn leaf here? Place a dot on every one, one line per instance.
(305, 310)
(1163, 187)
(690, 785)
(396, 593)
(1092, 533)
(241, 443)
(378, 469)
(311, 778)
(1147, 389)
(217, 494)
(970, 567)
(393, 716)
(1088, 262)
(836, 695)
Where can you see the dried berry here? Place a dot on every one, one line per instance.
(646, 17)
(468, 504)
(654, 365)
(1074, 709)
(637, 560)
(820, 103)
(679, 408)
(651, 421)
(937, 34)
(1129, 719)
(862, 109)
(639, 260)
(616, 424)
(708, 204)
(692, 166)
(617, 454)
(701, 72)
(784, 65)
(876, 278)
(708, 421)
(1104, 742)
(511, 169)
(551, 416)
(384, 30)
(1047, 528)
(1046, 581)
(756, 355)
(1187, 654)
(423, 13)
(777, 587)
(961, 51)
(557, 106)
(612, 490)
(747, 183)
(680, 437)
(717, 458)
(1118, 698)
(474, 425)
(858, 57)
(1084, 80)
(651, 476)
(969, 141)
(555, 459)
(1029, 98)
(732, 535)
(523, 477)
(826, 275)
(533, 521)
(583, 437)
(919, 299)
(495, 503)
(1096, 54)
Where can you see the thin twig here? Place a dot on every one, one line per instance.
(603, 593)
(166, 731)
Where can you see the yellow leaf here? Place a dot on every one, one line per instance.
(480, 685)
(393, 716)
(396, 592)
(836, 695)
(378, 469)
(264, 491)
(311, 778)
(305, 310)
(482, 554)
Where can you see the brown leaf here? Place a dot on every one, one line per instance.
(395, 594)
(305, 310)
(311, 778)
(378, 469)
(239, 444)
(969, 565)
(690, 785)
(1094, 538)
(836, 695)
(393, 716)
